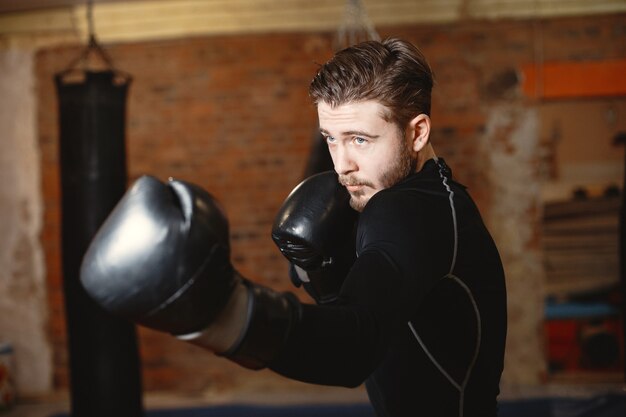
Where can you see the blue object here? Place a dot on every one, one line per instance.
(609, 405)
(560, 311)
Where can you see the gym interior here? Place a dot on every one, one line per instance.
(529, 108)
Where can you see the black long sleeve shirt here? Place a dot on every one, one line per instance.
(421, 317)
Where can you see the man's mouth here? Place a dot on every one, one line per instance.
(353, 185)
(354, 188)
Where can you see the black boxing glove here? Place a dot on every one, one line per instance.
(162, 260)
(315, 230)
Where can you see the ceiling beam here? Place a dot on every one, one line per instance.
(165, 19)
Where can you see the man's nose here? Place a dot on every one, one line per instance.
(343, 161)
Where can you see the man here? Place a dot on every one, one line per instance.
(419, 315)
(373, 104)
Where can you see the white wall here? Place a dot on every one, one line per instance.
(23, 302)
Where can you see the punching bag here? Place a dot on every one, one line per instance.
(319, 157)
(620, 140)
(105, 377)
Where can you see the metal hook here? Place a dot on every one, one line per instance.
(356, 26)
(92, 46)
(90, 28)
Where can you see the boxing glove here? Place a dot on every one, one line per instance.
(162, 260)
(315, 230)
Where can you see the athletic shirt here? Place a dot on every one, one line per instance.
(421, 317)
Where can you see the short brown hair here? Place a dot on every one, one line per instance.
(393, 72)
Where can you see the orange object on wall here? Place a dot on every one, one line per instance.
(574, 79)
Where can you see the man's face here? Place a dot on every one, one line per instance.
(369, 153)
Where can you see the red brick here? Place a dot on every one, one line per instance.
(231, 113)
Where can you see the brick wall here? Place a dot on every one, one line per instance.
(231, 113)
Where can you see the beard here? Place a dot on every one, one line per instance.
(405, 164)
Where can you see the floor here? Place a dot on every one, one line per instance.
(59, 402)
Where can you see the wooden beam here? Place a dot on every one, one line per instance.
(129, 21)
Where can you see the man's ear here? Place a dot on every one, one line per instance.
(419, 129)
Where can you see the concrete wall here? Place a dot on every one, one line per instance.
(23, 302)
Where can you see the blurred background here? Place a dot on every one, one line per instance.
(529, 110)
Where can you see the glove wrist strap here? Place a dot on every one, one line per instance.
(270, 318)
(225, 330)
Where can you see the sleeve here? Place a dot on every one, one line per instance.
(343, 344)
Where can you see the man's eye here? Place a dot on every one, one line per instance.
(360, 140)
(330, 139)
